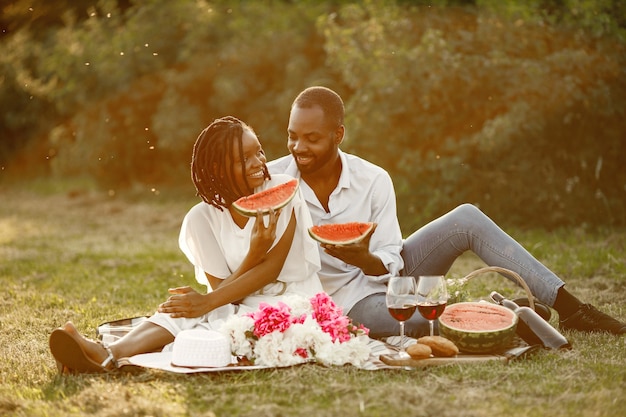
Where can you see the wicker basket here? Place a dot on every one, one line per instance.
(504, 271)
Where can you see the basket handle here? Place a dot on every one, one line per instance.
(508, 272)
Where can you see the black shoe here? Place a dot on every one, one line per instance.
(590, 319)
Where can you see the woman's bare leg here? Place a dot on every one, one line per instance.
(145, 338)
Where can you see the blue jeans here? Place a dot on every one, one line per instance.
(372, 313)
(432, 250)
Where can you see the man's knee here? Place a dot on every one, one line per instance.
(466, 209)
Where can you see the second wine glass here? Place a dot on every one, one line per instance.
(432, 297)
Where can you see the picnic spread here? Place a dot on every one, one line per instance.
(380, 354)
(311, 331)
(299, 331)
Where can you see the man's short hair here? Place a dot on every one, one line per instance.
(329, 101)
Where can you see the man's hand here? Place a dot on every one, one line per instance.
(184, 302)
(358, 254)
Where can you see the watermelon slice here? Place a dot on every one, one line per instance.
(478, 327)
(340, 233)
(275, 198)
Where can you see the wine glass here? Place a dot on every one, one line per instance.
(401, 302)
(432, 297)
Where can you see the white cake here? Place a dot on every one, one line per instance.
(199, 348)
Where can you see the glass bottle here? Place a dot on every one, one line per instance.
(532, 327)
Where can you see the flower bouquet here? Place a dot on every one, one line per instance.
(298, 330)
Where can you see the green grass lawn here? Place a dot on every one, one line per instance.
(91, 257)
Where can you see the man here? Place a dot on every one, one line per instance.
(340, 188)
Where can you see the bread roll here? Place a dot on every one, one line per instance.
(419, 351)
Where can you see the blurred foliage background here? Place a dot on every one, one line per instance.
(516, 106)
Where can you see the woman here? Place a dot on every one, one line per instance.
(241, 260)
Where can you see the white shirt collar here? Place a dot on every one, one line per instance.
(344, 179)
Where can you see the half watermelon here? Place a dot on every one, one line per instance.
(340, 233)
(478, 327)
(275, 198)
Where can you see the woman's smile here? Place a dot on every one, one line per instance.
(257, 174)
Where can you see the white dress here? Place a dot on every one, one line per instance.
(214, 244)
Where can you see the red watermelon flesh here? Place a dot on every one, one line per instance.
(340, 233)
(275, 198)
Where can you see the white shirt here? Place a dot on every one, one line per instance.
(364, 193)
(214, 244)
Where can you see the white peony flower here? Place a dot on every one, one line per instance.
(274, 349)
(235, 329)
(299, 305)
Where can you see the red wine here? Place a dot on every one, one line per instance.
(431, 311)
(402, 312)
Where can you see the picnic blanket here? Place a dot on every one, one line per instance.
(381, 353)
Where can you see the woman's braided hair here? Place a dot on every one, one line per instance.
(212, 170)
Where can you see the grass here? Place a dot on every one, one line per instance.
(92, 257)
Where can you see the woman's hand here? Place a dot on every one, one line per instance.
(185, 302)
(263, 237)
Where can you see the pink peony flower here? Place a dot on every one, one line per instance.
(331, 319)
(324, 308)
(268, 319)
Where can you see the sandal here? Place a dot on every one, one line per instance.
(70, 355)
(124, 365)
(63, 370)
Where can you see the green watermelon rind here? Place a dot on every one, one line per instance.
(479, 341)
(357, 239)
(265, 209)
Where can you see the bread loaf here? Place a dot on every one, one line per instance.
(439, 345)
